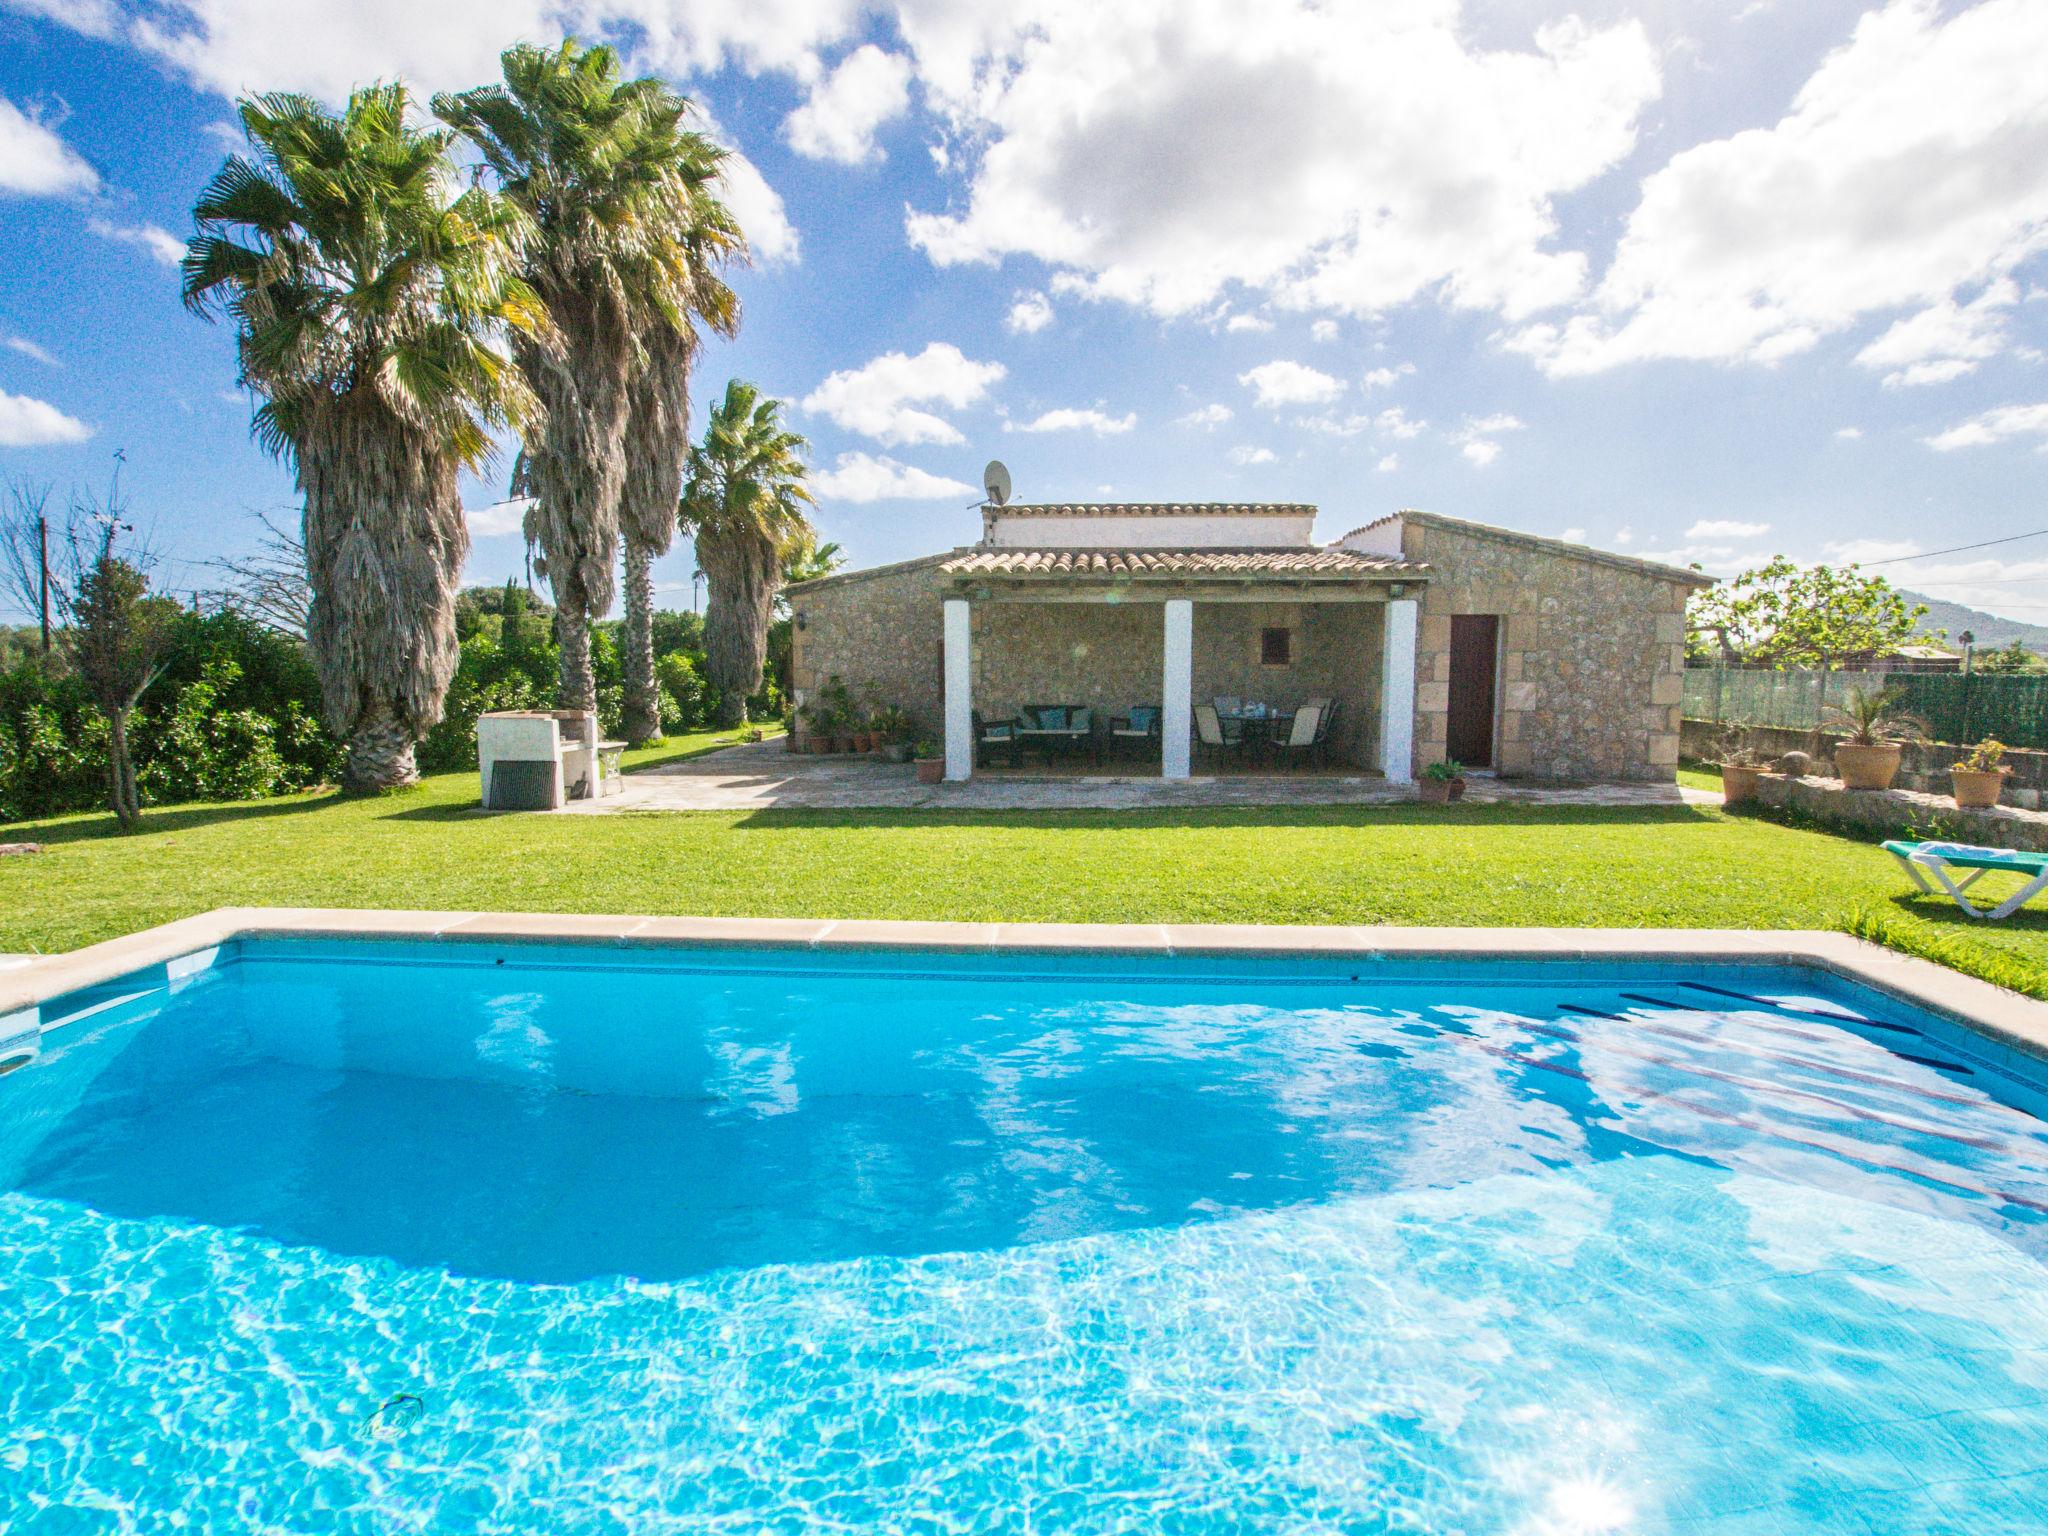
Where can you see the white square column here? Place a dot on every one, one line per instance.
(1397, 693)
(1177, 689)
(959, 692)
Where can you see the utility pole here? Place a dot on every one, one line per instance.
(43, 566)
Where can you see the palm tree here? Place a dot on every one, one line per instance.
(369, 300)
(744, 504)
(658, 421)
(611, 185)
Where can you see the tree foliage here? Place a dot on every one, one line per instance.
(1788, 615)
(743, 504)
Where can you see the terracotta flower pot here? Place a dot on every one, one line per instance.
(1441, 791)
(1977, 790)
(931, 770)
(818, 746)
(1871, 766)
(1738, 783)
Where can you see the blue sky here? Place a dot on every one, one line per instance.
(1692, 280)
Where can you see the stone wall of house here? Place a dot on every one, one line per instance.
(882, 633)
(1592, 654)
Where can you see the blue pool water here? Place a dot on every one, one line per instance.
(382, 1237)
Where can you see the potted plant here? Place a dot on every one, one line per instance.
(789, 730)
(1442, 782)
(1867, 757)
(1979, 779)
(1741, 766)
(931, 764)
(838, 714)
(893, 729)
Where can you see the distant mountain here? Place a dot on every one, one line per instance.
(1992, 632)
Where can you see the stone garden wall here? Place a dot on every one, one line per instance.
(882, 632)
(1592, 651)
(1923, 768)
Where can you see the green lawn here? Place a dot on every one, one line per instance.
(1456, 865)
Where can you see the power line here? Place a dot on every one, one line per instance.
(1957, 550)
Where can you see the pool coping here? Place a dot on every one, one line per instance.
(2007, 1017)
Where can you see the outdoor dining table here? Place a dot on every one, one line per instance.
(1260, 728)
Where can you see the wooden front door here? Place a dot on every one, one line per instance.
(1475, 653)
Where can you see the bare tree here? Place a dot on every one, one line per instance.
(23, 550)
(270, 585)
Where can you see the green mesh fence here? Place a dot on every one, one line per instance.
(1955, 708)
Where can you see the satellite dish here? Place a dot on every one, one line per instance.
(996, 481)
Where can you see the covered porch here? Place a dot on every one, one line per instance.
(1168, 662)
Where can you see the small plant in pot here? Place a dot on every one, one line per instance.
(837, 714)
(893, 729)
(931, 764)
(1979, 779)
(1741, 766)
(1873, 732)
(789, 730)
(1442, 782)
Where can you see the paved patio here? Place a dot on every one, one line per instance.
(765, 776)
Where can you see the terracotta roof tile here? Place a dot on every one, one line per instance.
(1154, 509)
(1174, 564)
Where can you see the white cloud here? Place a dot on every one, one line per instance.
(1247, 323)
(1395, 423)
(1032, 312)
(1848, 434)
(1243, 455)
(231, 46)
(35, 162)
(763, 220)
(1995, 426)
(28, 348)
(1380, 378)
(838, 119)
(862, 477)
(1624, 536)
(1573, 535)
(29, 423)
(1388, 464)
(1345, 158)
(1945, 340)
(498, 519)
(1324, 330)
(1476, 437)
(1070, 419)
(1725, 528)
(166, 247)
(1282, 382)
(879, 399)
(1208, 417)
(1855, 551)
(1913, 165)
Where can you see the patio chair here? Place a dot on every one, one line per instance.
(1215, 734)
(1304, 735)
(1063, 728)
(993, 736)
(1140, 726)
(1936, 860)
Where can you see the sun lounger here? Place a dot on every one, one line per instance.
(1936, 860)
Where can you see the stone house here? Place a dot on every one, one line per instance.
(1435, 637)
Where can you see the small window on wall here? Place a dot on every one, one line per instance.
(1276, 647)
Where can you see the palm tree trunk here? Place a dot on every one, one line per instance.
(641, 721)
(380, 757)
(739, 577)
(576, 684)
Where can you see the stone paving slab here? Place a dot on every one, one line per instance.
(766, 776)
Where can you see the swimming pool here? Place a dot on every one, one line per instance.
(366, 1236)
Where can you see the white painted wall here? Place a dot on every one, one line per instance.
(1397, 693)
(959, 692)
(1382, 538)
(1177, 689)
(1220, 531)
